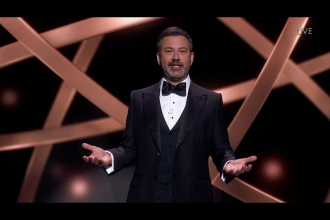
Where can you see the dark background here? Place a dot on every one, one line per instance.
(288, 128)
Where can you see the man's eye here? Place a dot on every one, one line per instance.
(168, 51)
(183, 51)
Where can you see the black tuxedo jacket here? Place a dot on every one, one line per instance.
(203, 134)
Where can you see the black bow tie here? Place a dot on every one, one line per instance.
(179, 89)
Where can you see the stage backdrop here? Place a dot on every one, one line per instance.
(65, 81)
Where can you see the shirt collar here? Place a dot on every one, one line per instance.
(186, 80)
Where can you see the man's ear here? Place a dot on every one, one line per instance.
(192, 55)
(158, 58)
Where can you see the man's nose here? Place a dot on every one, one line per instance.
(175, 56)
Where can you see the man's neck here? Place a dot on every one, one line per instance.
(175, 83)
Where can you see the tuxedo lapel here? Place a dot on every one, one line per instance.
(194, 105)
(150, 107)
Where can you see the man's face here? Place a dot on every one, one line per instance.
(175, 58)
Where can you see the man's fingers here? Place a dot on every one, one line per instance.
(89, 158)
(87, 146)
(250, 159)
(92, 159)
(248, 168)
(86, 158)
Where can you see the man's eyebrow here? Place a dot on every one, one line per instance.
(178, 48)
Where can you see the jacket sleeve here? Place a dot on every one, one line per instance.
(223, 151)
(125, 154)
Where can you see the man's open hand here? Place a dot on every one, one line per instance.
(239, 166)
(98, 155)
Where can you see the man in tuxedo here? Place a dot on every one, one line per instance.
(172, 129)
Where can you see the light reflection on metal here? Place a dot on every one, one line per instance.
(55, 118)
(317, 64)
(291, 71)
(65, 69)
(246, 192)
(260, 91)
(265, 81)
(239, 91)
(69, 34)
(60, 134)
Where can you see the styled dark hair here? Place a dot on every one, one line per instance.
(173, 31)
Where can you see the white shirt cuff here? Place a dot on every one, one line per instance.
(223, 178)
(109, 169)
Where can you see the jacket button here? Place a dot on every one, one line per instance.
(158, 154)
(156, 178)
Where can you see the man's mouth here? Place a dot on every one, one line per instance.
(175, 65)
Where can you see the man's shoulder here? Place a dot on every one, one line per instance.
(202, 90)
(149, 89)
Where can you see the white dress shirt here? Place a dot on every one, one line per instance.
(173, 105)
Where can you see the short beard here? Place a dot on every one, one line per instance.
(167, 75)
